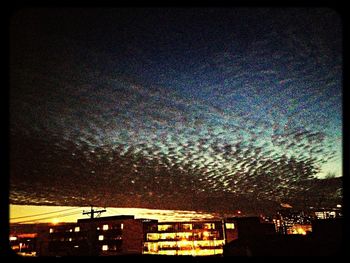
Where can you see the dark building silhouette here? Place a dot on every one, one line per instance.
(104, 236)
(325, 240)
(29, 239)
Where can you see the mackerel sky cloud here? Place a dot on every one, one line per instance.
(197, 109)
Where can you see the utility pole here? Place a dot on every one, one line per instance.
(92, 212)
(92, 233)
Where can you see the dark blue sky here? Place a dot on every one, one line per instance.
(166, 105)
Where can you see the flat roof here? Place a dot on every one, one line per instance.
(107, 218)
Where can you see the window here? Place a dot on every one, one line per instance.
(167, 236)
(152, 236)
(187, 226)
(165, 227)
(183, 235)
(230, 226)
(122, 226)
(209, 226)
(153, 247)
(105, 227)
(100, 237)
(70, 239)
(105, 247)
(76, 229)
(51, 230)
(167, 244)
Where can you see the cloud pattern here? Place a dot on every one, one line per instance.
(249, 128)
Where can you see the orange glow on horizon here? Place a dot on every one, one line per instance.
(55, 221)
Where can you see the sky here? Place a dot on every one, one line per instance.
(28, 214)
(197, 109)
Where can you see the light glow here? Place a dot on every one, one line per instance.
(230, 226)
(164, 227)
(55, 221)
(185, 247)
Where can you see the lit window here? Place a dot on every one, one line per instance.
(187, 226)
(70, 239)
(98, 228)
(100, 237)
(209, 226)
(230, 226)
(70, 230)
(153, 247)
(51, 230)
(13, 238)
(183, 235)
(152, 236)
(185, 245)
(105, 227)
(164, 227)
(105, 247)
(167, 244)
(167, 236)
(77, 229)
(122, 226)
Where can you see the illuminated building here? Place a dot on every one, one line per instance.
(288, 222)
(327, 214)
(298, 229)
(104, 236)
(196, 238)
(24, 244)
(28, 239)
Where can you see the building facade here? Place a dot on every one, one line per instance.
(105, 236)
(186, 238)
(28, 239)
(292, 222)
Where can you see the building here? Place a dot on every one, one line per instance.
(250, 227)
(288, 222)
(104, 236)
(28, 239)
(325, 240)
(328, 214)
(125, 235)
(196, 238)
(24, 244)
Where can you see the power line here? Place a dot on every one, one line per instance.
(93, 212)
(64, 210)
(44, 218)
